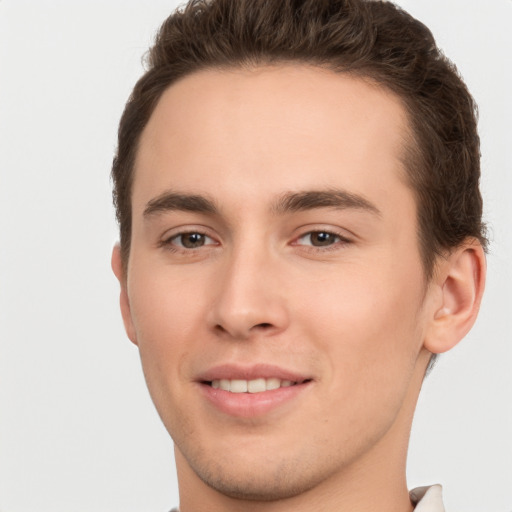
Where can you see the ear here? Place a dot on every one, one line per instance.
(458, 286)
(119, 271)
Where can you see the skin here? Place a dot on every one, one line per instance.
(352, 310)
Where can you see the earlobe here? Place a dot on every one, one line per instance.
(460, 282)
(119, 271)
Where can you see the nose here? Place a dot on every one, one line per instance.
(249, 297)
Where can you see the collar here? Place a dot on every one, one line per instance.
(428, 499)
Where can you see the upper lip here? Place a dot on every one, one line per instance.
(254, 371)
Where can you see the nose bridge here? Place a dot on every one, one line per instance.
(248, 296)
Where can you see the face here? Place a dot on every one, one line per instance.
(275, 287)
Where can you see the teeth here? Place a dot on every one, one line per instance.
(256, 385)
(250, 386)
(224, 384)
(238, 386)
(273, 383)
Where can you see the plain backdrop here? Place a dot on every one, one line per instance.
(78, 432)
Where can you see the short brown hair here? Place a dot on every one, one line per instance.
(368, 38)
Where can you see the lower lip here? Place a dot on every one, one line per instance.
(248, 405)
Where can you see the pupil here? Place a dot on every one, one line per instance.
(192, 240)
(322, 238)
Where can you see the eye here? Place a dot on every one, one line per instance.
(192, 240)
(320, 239)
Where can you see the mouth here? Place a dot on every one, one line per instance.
(258, 385)
(249, 392)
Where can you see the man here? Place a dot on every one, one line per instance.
(297, 190)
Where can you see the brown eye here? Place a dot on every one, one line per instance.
(322, 238)
(191, 240)
(319, 239)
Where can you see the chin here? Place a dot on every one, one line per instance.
(258, 474)
(279, 482)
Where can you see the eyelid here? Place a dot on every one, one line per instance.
(343, 234)
(171, 234)
(341, 242)
(180, 235)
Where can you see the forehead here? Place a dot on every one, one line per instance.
(240, 132)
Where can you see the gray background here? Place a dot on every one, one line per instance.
(77, 429)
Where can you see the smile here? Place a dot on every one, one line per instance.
(259, 385)
(243, 391)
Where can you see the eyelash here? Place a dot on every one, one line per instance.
(168, 243)
(339, 242)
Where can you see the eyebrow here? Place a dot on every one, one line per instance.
(169, 201)
(287, 203)
(331, 198)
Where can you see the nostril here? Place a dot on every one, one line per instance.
(239, 332)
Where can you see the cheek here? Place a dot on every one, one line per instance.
(165, 314)
(162, 305)
(368, 334)
(368, 323)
